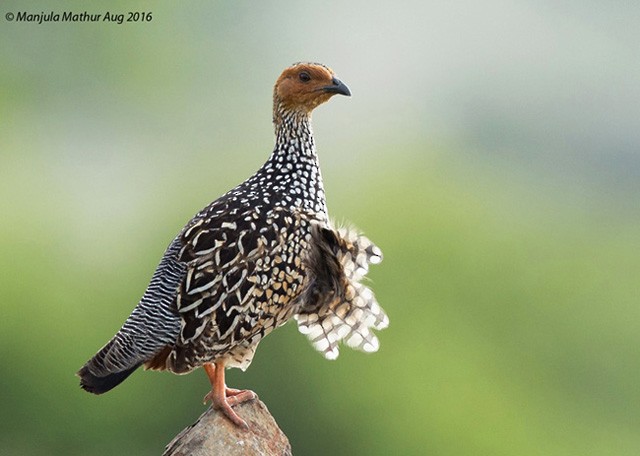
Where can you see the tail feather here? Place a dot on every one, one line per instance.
(152, 325)
(98, 385)
(101, 374)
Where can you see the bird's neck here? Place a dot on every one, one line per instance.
(293, 169)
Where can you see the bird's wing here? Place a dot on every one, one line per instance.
(236, 283)
(337, 306)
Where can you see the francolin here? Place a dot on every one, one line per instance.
(259, 255)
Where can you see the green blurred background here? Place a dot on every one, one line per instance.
(491, 149)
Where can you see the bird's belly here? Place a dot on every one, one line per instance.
(232, 335)
(241, 354)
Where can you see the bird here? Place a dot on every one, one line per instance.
(260, 255)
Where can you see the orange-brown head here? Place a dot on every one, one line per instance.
(303, 86)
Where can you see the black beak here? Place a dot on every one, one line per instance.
(337, 86)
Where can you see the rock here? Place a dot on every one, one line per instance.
(214, 434)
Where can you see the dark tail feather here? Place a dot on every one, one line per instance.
(100, 373)
(98, 385)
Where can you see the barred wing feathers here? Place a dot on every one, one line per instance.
(337, 306)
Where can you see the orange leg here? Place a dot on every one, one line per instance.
(223, 398)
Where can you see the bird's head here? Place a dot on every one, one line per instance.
(304, 86)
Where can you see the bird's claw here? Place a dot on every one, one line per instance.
(230, 398)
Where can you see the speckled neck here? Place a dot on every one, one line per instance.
(291, 176)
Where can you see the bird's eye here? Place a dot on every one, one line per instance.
(304, 76)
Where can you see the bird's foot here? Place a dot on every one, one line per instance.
(236, 396)
(230, 398)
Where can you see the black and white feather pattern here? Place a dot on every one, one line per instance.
(346, 311)
(152, 325)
